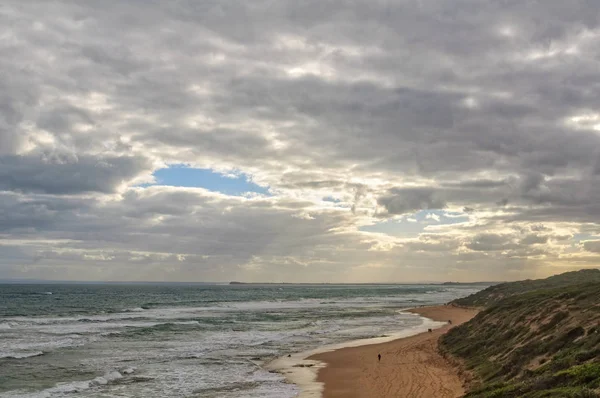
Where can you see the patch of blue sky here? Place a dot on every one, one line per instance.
(577, 240)
(413, 224)
(183, 176)
(331, 199)
(583, 236)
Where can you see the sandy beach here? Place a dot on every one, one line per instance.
(409, 368)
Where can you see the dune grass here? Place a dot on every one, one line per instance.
(544, 342)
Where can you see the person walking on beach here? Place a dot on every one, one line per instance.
(379, 357)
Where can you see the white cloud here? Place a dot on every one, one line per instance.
(432, 216)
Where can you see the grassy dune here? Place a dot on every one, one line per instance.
(500, 291)
(533, 339)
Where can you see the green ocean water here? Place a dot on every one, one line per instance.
(185, 340)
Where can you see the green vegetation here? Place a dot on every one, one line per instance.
(498, 292)
(543, 342)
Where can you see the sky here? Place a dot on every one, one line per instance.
(299, 141)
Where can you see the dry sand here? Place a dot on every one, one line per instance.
(410, 367)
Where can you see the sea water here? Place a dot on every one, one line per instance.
(187, 340)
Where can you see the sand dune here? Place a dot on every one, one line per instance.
(409, 367)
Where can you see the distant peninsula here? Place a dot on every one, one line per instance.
(469, 283)
(260, 283)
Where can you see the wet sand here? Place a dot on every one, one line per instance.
(409, 368)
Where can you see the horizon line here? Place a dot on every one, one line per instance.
(234, 283)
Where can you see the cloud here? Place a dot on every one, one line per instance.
(433, 216)
(68, 173)
(410, 200)
(389, 108)
(534, 239)
(491, 242)
(592, 246)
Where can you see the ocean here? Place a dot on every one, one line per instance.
(143, 340)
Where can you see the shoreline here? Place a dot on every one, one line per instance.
(338, 370)
(409, 367)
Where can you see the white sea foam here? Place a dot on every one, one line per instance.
(130, 315)
(128, 371)
(107, 378)
(20, 354)
(70, 388)
(136, 309)
(28, 343)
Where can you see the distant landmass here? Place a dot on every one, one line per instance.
(274, 283)
(470, 283)
(534, 338)
(391, 283)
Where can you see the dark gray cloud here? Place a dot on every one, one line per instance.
(411, 200)
(534, 239)
(592, 246)
(60, 173)
(492, 242)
